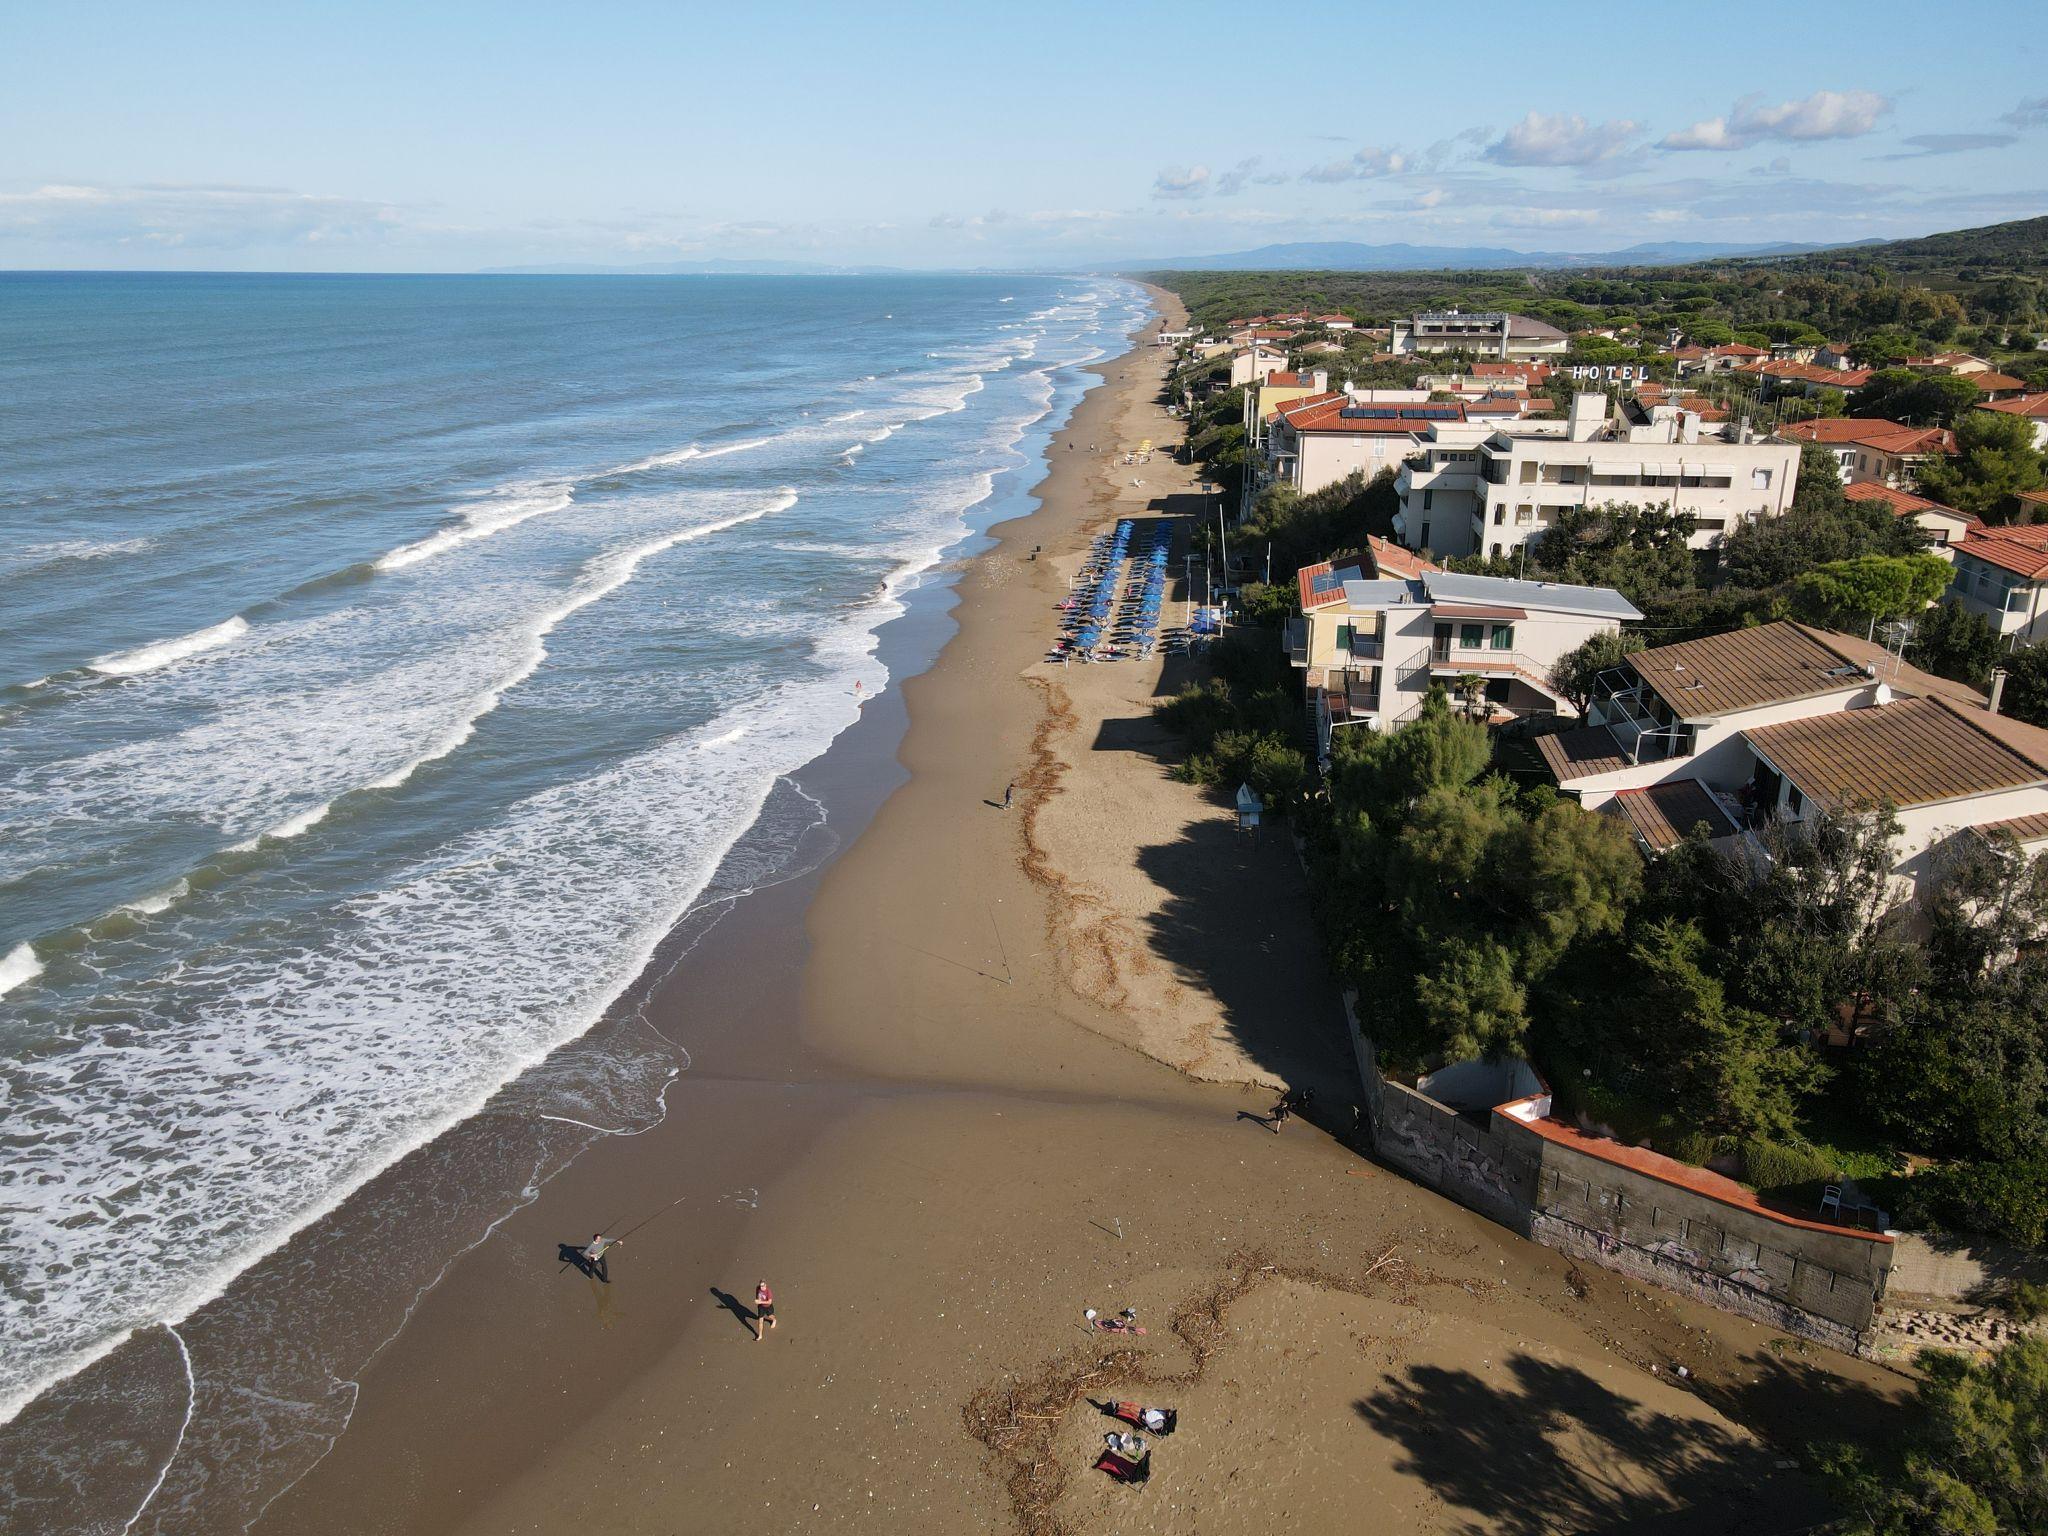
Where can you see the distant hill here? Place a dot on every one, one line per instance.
(1350, 256)
(2020, 246)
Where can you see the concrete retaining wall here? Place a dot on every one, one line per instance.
(1825, 1284)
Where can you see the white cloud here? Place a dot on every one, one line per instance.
(1560, 138)
(1431, 198)
(1367, 164)
(200, 216)
(1546, 218)
(1823, 115)
(1246, 173)
(1181, 181)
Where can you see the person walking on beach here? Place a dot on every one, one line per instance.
(764, 1309)
(594, 1255)
(1009, 793)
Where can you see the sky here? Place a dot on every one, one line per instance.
(315, 135)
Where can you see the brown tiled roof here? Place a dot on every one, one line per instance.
(1988, 381)
(1745, 669)
(2021, 829)
(1581, 753)
(2022, 550)
(1907, 752)
(2032, 406)
(1664, 815)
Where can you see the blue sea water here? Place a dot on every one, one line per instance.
(386, 664)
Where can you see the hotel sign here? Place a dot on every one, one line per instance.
(1613, 373)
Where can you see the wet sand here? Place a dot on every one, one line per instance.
(924, 1104)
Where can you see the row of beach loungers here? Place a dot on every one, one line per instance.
(1114, 608)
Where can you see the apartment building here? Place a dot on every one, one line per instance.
(2002, 575)
(1493, 334)
(1784, 723)
(1255, 365)
(1497, 492)
(1871, 448)
(1376, 634)
(1320, 440)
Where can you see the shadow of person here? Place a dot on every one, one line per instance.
(1268, 1121)
(738, 1309)
(597, 1269)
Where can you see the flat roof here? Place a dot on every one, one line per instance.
(1908, 752)
(1460, 587)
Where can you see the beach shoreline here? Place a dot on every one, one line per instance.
(945, 1089)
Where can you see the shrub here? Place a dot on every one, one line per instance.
(1768, 1165)
(1197, 714)
(2005, 1199)
(2027, 1300)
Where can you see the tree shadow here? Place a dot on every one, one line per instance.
(1235, 923)
(1554, 1450)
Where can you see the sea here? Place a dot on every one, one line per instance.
(387, 664)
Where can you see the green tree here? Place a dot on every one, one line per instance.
(1720, 1069)
(1917, 399)
(1860, 591)
(2026, 684)
(1951, 641)
(1995, 459)
(1971, 1462)
(1574, 673)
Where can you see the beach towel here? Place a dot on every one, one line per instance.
(1134, 1414)
(1123, 1469)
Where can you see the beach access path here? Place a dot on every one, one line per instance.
(938, 1120)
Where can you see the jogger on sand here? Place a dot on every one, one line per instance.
(764, 1309)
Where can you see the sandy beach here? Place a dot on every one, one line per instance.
(987, 1068)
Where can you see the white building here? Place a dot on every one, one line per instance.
(1254, 365)
(1375, 635)
(2033, 407)
(1945, 526)
(1492, 334)
(1320, 440)
(1784, 722)
(2002, 574)
(1494, 493)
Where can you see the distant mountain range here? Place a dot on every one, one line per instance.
(1350, 256)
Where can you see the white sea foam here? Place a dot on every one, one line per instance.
(480, 522)
(149, 906)
(684, 456)
(19, 965)
(150, 658)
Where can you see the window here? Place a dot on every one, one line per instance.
(1428, 498)
(1795, 802)
(1423, 538)
(1760, 479)
(1496, 550)
(1343, 637)
(1529, 472)
(2016, 599)
(1471, 636)
(1503, 637)
(1500, 514)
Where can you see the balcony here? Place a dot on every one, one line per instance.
(1294, 636)
(1360, 650)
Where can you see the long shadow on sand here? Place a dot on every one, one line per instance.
(1236, 923)
(1544, 1447)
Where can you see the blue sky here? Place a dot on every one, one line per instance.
(385, 136)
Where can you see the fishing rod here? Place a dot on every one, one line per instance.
(679, 1199)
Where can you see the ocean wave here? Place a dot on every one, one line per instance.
(20, 964)
(34, 557)
(150, 658)
(479, 522)
(681, 456)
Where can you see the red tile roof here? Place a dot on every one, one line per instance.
(2033, 406)
(1391, 560)
(1335, 413)
(1871, 432)
(1988, 381)
(1899, 503)
(1318, 586)
(2023, 550)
